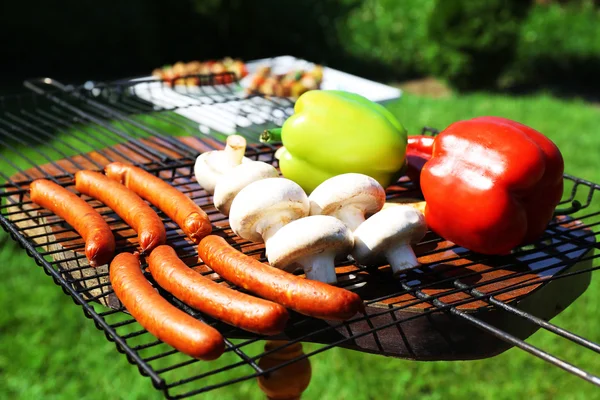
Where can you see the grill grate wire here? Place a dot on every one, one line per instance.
(56, 122)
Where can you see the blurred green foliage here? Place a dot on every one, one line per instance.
(391, 33)
(474, 44)
(475, 40)
(558, 43)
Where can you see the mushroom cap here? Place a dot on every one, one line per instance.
(351, 189)
(386, 229)
(306, 237)
(264, 203)
(237, 178)
(211, 165)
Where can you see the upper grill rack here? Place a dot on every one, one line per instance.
(139, 123)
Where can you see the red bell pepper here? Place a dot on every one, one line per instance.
(492, 184)
(418, 152)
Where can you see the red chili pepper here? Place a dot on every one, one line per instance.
(492, 184)
(418, 152)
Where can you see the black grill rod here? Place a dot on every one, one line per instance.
(123, 117)
(277, 103)
(254, 103)
(168, 118)
(592, 188)
(577, 183)
(19, 189)
(68, 132)
(128, 106)
(21, 131)
(228, 343)
(49, 136)
(538, 321)
(557, 237)
(585, 182)
(29, 160)
(99, 132)
(168, 142)
(161, 157)
(16, 167)
(500, 279)
(560, 264)
(220, 116)
(247, 102)
(170, 104)
(506, 337)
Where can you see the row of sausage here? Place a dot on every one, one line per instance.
(123, 188)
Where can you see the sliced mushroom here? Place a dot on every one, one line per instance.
(311, 243)
(388, 235)
(237, 178)
(263, 207)
(347, 197)
(211, 165)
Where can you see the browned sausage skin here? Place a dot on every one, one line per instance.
(180, 208)
(99, 239)
(158, 316)
(128, 205)
(305, 296)
(228, 305)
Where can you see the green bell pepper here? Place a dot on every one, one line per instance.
(334, 132)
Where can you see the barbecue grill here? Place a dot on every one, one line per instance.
(457, 306)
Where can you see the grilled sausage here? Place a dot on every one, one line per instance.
(99, 240)
(228, 305)
(312, 298)
(128, 205)
(158, 316)
(180, 208)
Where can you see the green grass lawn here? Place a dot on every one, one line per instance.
(49, 350)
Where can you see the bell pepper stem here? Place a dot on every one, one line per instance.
(270, 135)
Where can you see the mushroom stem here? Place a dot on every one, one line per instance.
(319, 267)
(401, 258)
(351, 216)
(269, 230)
(235, 148)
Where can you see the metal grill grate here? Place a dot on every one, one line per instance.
(463, 305)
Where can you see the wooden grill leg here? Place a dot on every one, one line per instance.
(289, 382)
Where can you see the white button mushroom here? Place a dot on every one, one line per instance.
(211, 165)
(347, 197)
(389, 234)
(263, 207)
(237, 178)
(311, 243)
